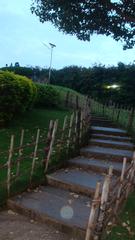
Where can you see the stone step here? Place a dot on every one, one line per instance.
(102, 123)
(97, 165)
(67, 211)
(106, 153)
(76, 180)
(109, 131)
(96, 121)
(110, 137)
(111, 144)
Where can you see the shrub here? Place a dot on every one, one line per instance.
(17, 94)
(47, 96)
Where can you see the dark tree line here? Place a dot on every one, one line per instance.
(95, 81)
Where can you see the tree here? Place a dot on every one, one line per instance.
(17, 64)
(85, 17)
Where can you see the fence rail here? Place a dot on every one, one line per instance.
(124, 116)
(25, 163)
(106, 202)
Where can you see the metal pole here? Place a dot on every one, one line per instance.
(52, 46)
(50, 65)
(50, 68)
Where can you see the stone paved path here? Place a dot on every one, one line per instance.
(65, 201)
(17, 227)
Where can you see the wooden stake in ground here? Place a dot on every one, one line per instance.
(51, 144)
(81, 126)
(131, 176)
(70, 131)
(94, 207)
(104, 199)
(51, 124)
(35, 154)
(9, 164)
(120, 187)
(20, 152)
(64, 127)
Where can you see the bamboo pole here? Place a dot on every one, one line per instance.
(70, 131)
(9, 164)
(104, 199)
(50, 130)
(34, 155)
(120, 187)
(81, 126)
(130, 120)
(131, 176)
(64, 127)
(20, 152)
(63, 133)
(94, 206)
(75, 129)
(51, 144)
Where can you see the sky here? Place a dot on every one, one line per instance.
(22, 37)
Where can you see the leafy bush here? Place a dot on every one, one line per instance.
(47, 96)
(17, 94)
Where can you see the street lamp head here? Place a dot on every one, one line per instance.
(52, 45)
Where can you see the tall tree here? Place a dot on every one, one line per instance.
(85, 17)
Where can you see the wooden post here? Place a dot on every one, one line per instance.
(133, 169)
(75, 127)
(78, 128)
(20, 152)
(63, 133)
(70, 131)
(94, 206)
(81, 126)
(35, 154)
(131, 176)
(131, 118)
(120, 187)
(64, 127)
(9, 164)
(104, 199)
(50, 130)
(51, 144)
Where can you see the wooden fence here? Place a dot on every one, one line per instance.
(124, 116)
(27, 163)
(108, 200)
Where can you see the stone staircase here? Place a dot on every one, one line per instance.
(65, 201)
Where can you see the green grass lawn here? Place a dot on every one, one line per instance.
(30, 122)
(125, 229)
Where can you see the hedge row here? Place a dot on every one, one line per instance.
(18, 94)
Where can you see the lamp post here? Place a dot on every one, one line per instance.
(52, 46)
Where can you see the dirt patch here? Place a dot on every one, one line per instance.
(16, 227)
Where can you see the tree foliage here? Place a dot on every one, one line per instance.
(17, 94)
(47, 96)
(85, 17)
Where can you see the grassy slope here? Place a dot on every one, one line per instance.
(125, 229)
(30, 121)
